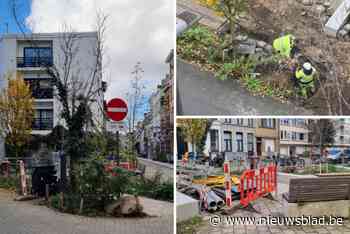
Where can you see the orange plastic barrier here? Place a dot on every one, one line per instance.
(257, 183)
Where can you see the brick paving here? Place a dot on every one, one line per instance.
(267, 207)
(26, 218)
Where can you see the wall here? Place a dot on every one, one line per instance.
(154, 167)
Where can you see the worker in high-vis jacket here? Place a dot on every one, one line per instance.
(284, 45)
(305, 78)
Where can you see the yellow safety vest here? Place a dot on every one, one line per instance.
(283, 45)
(305, 79)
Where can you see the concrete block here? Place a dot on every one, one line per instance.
(338, 19)
(335, 208)
(186, 207)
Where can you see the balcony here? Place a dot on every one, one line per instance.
(42, 124)
(23, 62)
(42, 93)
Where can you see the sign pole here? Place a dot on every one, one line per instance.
(118, 156)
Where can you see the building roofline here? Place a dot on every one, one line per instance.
(21, 36)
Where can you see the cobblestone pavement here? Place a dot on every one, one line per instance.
(25, 218)
(267, 207)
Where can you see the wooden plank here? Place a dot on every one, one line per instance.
(319, 189)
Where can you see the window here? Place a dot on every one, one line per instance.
(228, 141)
(35, 57)
(239, 139)
(228, 120)
(250, 142)
(301, 136)
(294, 136)
(43, 120)
(41, 88)
(282, 137)
(240, 122)
(214, 140)
(250, 123)
(267, 123)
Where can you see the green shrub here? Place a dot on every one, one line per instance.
(8, 182)
(152, 188)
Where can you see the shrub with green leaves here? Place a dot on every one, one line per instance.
(8, 182)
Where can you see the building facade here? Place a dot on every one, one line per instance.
(232, 137)
(167, 110)
(267, 137)
(294, 137)
(342, 137)
(30, 56)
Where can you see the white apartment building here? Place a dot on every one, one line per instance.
(30, 54)
(294, 136)
(342, 137)
(233, 137)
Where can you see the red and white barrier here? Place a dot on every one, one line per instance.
(228, 185)
(257, 183)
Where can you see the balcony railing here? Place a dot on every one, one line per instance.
(42, 93)
(42, 124)
(34, 61)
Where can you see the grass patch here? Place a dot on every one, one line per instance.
(315, 169)
(201, 46)
(189, 226)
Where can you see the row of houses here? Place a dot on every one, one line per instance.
(155, 132)
(263, 137)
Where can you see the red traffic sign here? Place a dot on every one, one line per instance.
(117, 109)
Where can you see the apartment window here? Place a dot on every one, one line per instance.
(43, 120)
(267, 123)
(251, 123)
(240, 122)
(294, 136)
(214, 140)
(301, 136)
(250, 142)
(282, 137)
(239, 139)
(41, 88)
(228, 141)
(35, 57)
(228, 120)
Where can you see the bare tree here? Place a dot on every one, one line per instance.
(79, 89)
(136, 103)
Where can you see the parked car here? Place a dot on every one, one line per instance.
(334, 155)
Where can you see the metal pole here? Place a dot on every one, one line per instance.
(118, 156)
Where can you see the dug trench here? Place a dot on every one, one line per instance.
(268, 19)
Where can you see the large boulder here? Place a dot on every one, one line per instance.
(125, 206)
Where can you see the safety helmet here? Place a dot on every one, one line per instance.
(307, 68)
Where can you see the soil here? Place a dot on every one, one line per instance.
(268, 19)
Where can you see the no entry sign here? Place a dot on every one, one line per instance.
(117, 109)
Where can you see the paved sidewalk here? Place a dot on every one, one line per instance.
(209, 18)
(200, 93)
(267, 207)
(25, 218)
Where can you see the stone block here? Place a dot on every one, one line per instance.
(186, 207)
(338, 19)
(335, 208)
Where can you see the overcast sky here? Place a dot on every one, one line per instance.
(138, 30)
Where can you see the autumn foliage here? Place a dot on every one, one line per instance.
(16, 112)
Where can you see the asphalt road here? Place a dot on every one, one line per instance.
(25, 218)
(200, 93)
